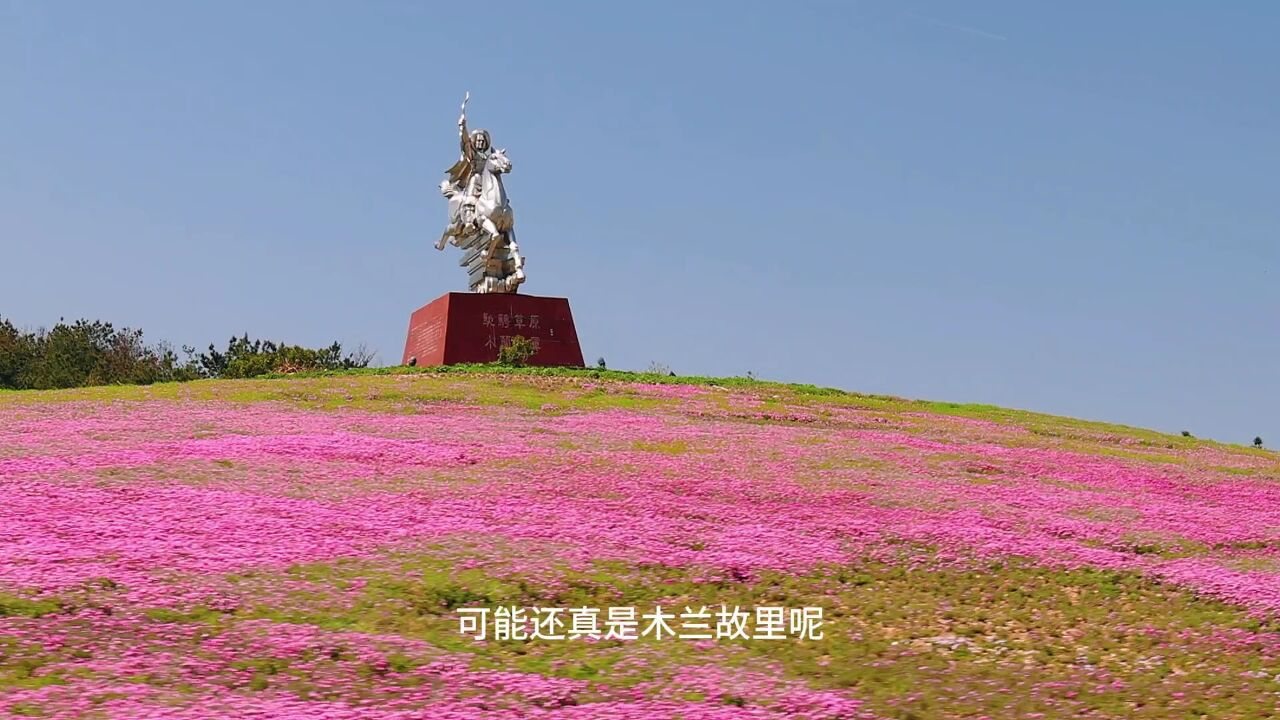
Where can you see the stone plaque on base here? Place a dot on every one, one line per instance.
(471, 327)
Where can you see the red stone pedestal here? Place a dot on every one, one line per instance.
(471, 327)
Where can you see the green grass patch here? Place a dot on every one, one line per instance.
(15, 606)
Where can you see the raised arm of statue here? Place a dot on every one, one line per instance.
(464, 137)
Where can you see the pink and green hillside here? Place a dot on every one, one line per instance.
(302, 548)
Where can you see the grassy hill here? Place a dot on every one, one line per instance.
(306, 547)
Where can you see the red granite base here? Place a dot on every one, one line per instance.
(471, 327)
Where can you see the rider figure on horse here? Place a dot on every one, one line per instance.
(466, 178)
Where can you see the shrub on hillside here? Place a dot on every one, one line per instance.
(657, 368)
(84, 353)
(245, 358)
(96, 353)
(517, 352)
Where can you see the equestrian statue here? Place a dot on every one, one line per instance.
(480, 218)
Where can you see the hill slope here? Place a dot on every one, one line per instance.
(307, 547)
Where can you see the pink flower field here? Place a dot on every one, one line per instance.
(303, 548)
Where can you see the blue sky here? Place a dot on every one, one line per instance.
(1070, 209)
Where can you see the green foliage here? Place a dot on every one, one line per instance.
(245, 358)
(16, 352)
(85, 353)
(1257, 442)
(517, 352)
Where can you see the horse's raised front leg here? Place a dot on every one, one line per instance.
(487, 225)
(495, 236)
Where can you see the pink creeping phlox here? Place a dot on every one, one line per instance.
(154, 496)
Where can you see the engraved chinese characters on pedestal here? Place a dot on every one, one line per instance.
(528, 326)
(480, 217)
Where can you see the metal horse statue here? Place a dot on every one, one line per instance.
(480, 217)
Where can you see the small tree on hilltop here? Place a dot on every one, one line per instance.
(517, 352)
(1257, 442)
(657, 368)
